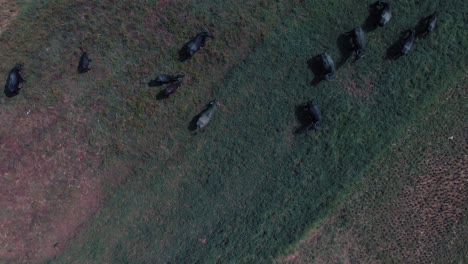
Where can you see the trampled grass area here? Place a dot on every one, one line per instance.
(246, 188)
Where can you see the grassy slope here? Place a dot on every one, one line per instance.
(245, 185)
(245, 188)
(410, 207)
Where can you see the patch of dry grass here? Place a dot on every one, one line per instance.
(8, 13)
(47, 183)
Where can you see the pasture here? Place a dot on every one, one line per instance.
(98, 170)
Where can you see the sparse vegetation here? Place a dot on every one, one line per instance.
(245, 188)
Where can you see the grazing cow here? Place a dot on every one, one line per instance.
(408, 42)
(194, 45)
(385, 12)
(207, 114)
(83, 66)
(431, 22)
(357, 42)
(171, 88)
(13, 81)
(311, 117)
(315, 116)
(167, 78)
(328, 66)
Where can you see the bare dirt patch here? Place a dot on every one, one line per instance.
(8, 12)
(48, 187)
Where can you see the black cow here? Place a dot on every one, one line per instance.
(408, 42)
(83, 66)
(357, 42)
(315, 115)
(206, 115)
(385, 12)
(194, 45)
(310, 116)
(165, 79)
(328, 66)
(13, 81)
(431, 22)
(171, 88)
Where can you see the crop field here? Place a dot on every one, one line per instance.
(96, 168)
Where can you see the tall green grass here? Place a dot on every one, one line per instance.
(245, 188)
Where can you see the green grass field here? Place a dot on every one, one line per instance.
(246, 188)
(409, 207)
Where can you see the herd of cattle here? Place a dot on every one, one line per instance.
(380, 11)
(380, 14)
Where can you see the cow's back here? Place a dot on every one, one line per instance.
(12, 82)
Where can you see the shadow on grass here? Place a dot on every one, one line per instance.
(372, 21)
(315, 65)
(162, 95)
(344, 45)
(193, 123)
(394, 51)
(183, 55)
(304, 119)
